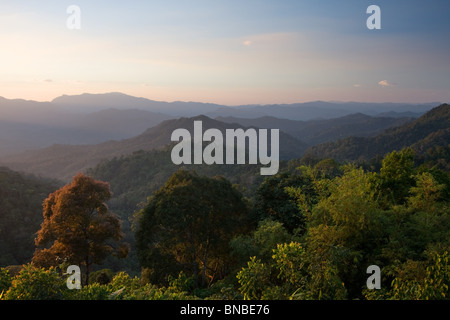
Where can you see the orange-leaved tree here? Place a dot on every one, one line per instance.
(78, 228)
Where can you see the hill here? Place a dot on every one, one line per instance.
(319, 131)
(432, 130)
(26, 125)
(20, 214)
(63, 161)
(97, 127)
(95, 118)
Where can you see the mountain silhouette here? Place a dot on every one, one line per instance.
(430, 130)
(63, 161)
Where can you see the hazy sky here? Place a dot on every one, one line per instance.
(227, 51)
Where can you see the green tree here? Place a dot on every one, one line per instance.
(344, 231)
(396, 175)
(419, 280)
(275, 202)
(434, 286)
(187, 226)
(426, 193)
(418, 225)
(254, 279)
(289, 260)
(261, 242)
(284, 276)
(34, 283)
(78, 227)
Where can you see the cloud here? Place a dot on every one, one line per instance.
(385, 83)
(356, 85)
(247, 43)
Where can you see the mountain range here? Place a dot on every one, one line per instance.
(69, 134)
(95, 118)
(426, 134)
(295, 111)
(315, 132)
(63, 161)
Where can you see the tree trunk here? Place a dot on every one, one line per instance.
(87, 270)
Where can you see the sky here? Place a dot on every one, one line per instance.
(226, 51)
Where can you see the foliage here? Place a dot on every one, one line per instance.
(433, 286)
(21, 199)
(274, 202)
(187, 224)
(253, 279)
(309, 232)
(36, 284)
(103, 276)
(5, 280)
(396, 175)
(415, 284)
(136, 177)
(288, 276)
(261, 242)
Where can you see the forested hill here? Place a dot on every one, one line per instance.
(21, 200)
(64, 161)
(314, 132)
(428, 134)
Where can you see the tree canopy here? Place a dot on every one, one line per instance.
(187, 224)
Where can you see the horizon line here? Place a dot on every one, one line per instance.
(220, 104)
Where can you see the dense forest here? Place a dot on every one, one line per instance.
(141, 227)
(21, 198)
(309, 232)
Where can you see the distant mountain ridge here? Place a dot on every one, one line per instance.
(94, 118)
(430, 130)
(319, 131)
(294, 111)
(73, 133)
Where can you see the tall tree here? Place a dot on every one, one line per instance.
(187, 225)
(397, 175)
(343, 232)
(274, 201)
(78, 227)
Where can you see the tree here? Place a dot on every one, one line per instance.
(34, 283)
(78, 227)
(425, 194)
(21, 198)
(396, 175)
(274, 201)
(418, 280)
(284, 276)
(261, 242)
(344, 230)
(187, 225)
(254, 279)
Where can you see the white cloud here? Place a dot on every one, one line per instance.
(386, 83)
